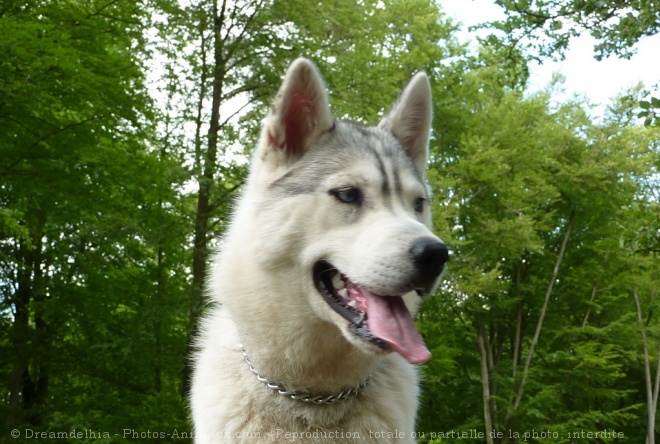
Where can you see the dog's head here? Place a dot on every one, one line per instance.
(357, 218)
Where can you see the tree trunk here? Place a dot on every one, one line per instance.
(158, 323)
(205, 178)
(20, 331)
(656, 386)
(25, 388)
(650, 411)
(485, 383)
(515, 360)
(591, 301)
(654, 404)
(530, 352)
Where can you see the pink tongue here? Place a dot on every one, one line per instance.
(389, 319)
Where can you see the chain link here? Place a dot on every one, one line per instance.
(304, 397)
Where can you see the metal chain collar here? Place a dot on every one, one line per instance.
(304, 397)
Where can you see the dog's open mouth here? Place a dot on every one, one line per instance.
(382, 320)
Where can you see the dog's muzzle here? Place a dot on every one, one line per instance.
(383, 319)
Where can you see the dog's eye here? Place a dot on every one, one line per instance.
(348, 195)
(419, 205)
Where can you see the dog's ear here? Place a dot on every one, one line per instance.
(299, 112)
(410, 120)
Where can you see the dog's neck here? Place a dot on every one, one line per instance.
(334, 366)
(341, 396)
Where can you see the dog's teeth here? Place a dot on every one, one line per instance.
(342, 293)
(337, 282)
(352, 304)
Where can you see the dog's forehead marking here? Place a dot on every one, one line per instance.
(342, 147)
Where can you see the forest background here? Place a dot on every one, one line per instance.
(125, 132)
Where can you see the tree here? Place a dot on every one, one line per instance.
(616, 26)
(547, 27)
(109, 207)
(86, 230)
(532, 203)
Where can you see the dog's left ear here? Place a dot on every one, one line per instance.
(410, 120)
(299, 113)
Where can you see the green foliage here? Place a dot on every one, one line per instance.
(650, 111)
(549, 25)
(543, 29)
(90, 243)
(106, 201)
(518, 171)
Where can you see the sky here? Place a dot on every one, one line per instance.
(599, 82)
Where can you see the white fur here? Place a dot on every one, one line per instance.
(264, 296)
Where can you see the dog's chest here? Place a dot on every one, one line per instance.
(383, 413)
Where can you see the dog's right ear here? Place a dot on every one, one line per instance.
(410, 120)
(299, 113)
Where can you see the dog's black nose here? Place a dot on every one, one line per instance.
(429, 255)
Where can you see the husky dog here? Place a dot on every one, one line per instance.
(318, 277)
